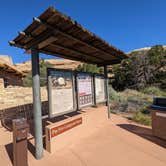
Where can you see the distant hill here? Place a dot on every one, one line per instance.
(6, 59)
(57, 63)
(143, 49)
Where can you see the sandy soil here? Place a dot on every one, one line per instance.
(97, 142)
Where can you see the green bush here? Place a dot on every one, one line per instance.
(145, 109)
(115, 96)
(154, 91)
(142, 118)
(90, 68)
(142, 68)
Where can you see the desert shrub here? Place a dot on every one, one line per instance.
(145, 109)
(90, 68)
(141, 69)
(131, 101)
(154, 91)
(130, 93)
(122, 75)
(115, 96)
(142, 118)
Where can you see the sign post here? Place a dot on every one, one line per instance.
(94, 91)
(107, 89)
(20, 149)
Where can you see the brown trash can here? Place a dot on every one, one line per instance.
(158, 113)
(20, 134)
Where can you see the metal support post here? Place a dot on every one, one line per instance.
(94, 91)
(107, 90)
(37, 104)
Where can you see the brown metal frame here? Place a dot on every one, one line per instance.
(74, 95)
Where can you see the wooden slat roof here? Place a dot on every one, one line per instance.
(56, 34)
(11, 69)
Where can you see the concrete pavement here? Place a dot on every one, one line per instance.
(98, 142)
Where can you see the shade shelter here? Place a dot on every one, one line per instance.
(55, 34)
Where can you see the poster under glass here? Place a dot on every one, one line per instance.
(84, 83)
(100, 89)
(61, 93)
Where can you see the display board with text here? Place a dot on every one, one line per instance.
(100, 89)
(60, 92)
(85, 90)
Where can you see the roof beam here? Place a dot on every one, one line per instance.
(39, 39)
(47, 42)
(13, 43)
(52, 39)
(112, 62)
(34, 42)
(77, 52)
(71, 37)
(67, 56)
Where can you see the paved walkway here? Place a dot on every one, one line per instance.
(98, 142)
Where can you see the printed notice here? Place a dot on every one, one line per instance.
(60, 92)
(84, 82)
(99, 89)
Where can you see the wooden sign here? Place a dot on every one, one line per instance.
(64, 127)
(56, 129)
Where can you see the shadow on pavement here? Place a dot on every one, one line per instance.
(9, 149)
(143, 132)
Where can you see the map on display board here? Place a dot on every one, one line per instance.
(61, 94)
(84, 82)
(99, 89)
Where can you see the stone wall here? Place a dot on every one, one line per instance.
(17, 96)
(1, 83)
(16, 102)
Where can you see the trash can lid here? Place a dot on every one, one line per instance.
(160, 108)
(160, 101)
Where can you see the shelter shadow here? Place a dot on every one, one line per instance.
(9, 150)
(143, 132)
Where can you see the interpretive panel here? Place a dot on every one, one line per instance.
(100, 89)
(85, 94)
(61, 93)
(66, 126)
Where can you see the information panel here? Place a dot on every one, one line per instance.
(99, 89)
(84, 82)
(61, 93)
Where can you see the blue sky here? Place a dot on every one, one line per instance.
(126, 24)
